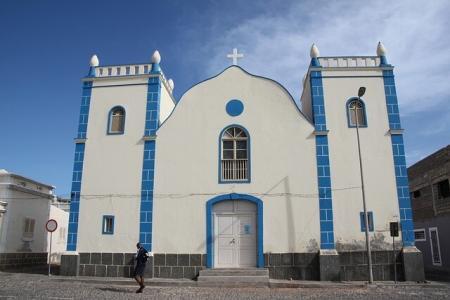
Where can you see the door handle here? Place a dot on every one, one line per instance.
(232, 241)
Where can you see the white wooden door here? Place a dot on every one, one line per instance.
(235, 235)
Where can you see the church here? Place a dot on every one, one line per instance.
(235, 174)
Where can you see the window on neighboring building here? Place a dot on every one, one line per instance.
(116, 120)
(109, 71)
(443, 189)
(108, 225)
(28, 230)
(118, 70)
(435, 247)
(416, 194)
(419, 235)
(145, 69)
(235, 155)
(356, 113)
(127, 70)
(101, 71)
(136, 70)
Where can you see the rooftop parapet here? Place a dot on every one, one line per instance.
(349, 61)
(128, 70)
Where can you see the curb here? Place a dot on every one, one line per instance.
(273, 283)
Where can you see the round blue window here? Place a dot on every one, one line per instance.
(234, 107)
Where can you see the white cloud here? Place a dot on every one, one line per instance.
(276, 44)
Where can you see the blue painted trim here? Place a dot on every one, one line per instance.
(248, 156)
(148, 165)
(108, 129)
(398, 151)
(234, 107)
(105, 217)
(315, 62)
(75, 195)
(363, 223)
(348, 115)
(210, 224)
(155, 68)
(323, 163)
(91, 72)
(383, 61)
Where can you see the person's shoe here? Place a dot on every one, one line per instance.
(139, 290)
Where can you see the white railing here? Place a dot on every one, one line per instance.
(234, 169)
(127, 70)
(122, 70)
(349, 62)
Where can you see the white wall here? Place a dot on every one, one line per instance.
(282, 161)
(379, 176)
(59, 239)
(111, 180)
(23, 205)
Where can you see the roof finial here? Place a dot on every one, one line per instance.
(94, 61)
(171, 84)
(381, 50)
(314, 53)
(156, 57)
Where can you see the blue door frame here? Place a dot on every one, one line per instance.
(210, 232)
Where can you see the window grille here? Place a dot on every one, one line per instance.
(356, 113)
(419, 235)
(28, 231)
(108, 225)
(117, 121)
(234, 160)
(435, 247)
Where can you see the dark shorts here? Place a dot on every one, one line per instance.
(139, 270)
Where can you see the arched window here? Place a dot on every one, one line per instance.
(356, 113)
(234, 165)
(116, 122)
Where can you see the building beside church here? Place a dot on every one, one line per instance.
(234, 175)
(25, 207)
(430, 197)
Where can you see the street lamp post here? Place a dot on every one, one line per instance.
(361, 92)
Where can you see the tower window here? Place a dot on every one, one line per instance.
(234, 165)
(356, 113)
(116, 120)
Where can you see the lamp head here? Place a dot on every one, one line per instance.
(361, 91)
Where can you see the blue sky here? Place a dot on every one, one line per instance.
(45, 47)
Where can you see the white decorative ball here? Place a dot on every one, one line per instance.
(94, 61)
(381, 50)
(156, 57)
(171, 84)
(314, 53)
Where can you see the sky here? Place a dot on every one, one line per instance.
(45, 48)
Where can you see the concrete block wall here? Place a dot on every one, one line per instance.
(168, 265)
(18, 260)
(296, 266)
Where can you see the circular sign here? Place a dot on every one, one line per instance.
(51, 225)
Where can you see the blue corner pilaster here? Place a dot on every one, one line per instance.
(91, 72)
(398, 150)
(78, 167)
(323, 163)
(383, 61)
(148, 168)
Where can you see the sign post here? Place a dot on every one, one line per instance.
(50, 226)
(394, 232)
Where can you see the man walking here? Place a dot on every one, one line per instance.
(139, 269)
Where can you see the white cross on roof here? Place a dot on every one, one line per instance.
(235, 56)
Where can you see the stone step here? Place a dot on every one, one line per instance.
(240, 278)
(235, 272)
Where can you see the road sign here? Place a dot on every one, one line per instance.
(51, 225)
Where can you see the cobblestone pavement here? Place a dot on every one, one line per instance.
(32, 286)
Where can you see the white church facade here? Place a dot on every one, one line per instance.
(234, 175)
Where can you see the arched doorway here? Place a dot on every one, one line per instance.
(234, 231)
